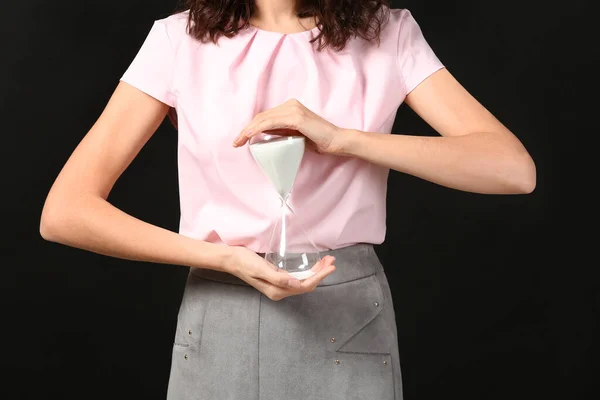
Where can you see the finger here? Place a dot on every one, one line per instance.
(322, 263)
(271, 291)
(252, 124)
(279, 120)
(326, 268)
(312, 282)
(270, 273)
(272, 120)
(278, 277)
(327, 260)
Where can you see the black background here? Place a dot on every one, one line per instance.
(483, 310)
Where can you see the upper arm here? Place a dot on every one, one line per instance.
(125, 125)
(434, 94)
(442, 102)
(137, 107)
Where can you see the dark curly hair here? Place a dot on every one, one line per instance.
(337, 20)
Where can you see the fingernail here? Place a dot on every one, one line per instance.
(294, 283)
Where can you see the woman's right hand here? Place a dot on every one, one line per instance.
(274, 283)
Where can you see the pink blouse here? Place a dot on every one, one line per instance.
(217, 90)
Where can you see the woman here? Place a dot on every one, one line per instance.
(335, 72)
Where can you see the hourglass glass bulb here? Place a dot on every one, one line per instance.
(279, 158)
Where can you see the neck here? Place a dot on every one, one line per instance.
(275, 12)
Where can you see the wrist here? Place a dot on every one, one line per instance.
(346, 141)
(213, 256)
(224, 256)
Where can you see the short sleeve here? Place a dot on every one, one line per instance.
(416, 59)
(151, 71)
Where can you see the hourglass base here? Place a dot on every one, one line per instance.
(299, 265)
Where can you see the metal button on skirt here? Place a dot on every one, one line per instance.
(338, 342)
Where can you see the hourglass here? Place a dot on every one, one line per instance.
(279, 158)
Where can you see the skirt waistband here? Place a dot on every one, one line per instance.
(352, 262)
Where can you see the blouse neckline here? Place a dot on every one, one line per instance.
(314, 30)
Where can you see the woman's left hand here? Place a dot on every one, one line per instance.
(291, 118)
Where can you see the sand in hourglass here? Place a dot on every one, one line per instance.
(279, 159)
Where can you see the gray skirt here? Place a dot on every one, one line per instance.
(337, 342)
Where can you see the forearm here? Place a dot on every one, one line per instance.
(487, 163)
(91, 223)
